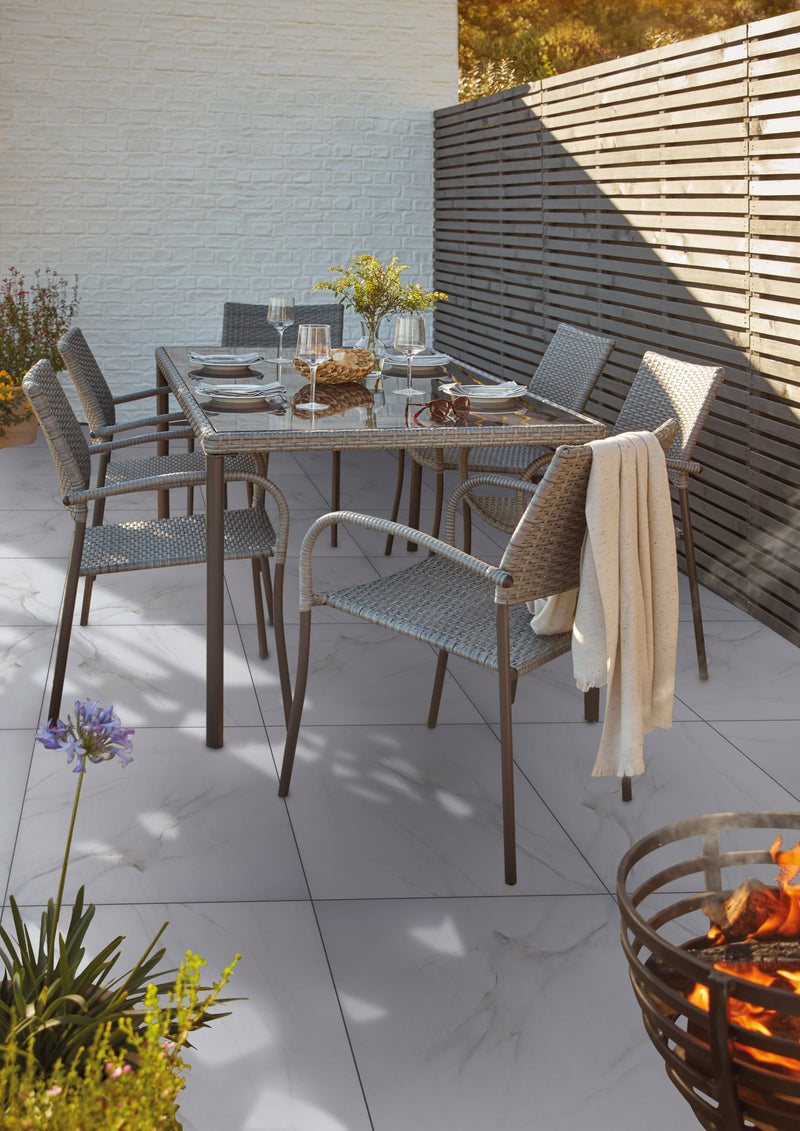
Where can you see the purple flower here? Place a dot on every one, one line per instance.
(95, 734)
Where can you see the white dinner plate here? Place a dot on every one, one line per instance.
(238, 396)
(225, 364)
(486, 394)
(420, 361)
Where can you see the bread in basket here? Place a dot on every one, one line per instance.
(344, 365)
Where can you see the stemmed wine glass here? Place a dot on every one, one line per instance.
(313, 347)
(409, 338)
(280, 314)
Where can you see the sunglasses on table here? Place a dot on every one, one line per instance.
(441, 410)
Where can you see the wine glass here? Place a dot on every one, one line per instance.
(313, 346)
(280, 315)
(409, 338)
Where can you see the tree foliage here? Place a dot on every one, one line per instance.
(506, 42)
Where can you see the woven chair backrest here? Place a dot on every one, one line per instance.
(570, 366)
(667, 387)
(543, 554)
(245, 324)
(96, 397)
(61, 429)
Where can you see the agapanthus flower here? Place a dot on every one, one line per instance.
(95, 734)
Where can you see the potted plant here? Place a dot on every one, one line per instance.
(374, 289)
(67, 1018)
(32, 319)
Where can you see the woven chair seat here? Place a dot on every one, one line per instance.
(145, 543)
(508, 460)
(447, 606)
(123, 471)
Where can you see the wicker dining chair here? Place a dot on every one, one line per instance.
(99, 404)
(663, 387)
(566, 375)
(150, 543)
(245, 324)
(462, 605)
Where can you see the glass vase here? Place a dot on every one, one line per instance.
(371, 340)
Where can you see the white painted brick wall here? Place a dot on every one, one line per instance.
(178, 154)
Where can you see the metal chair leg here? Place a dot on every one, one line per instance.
(591, 704)
(694, 590)
(398, 492)
(436, 692)
(261, 627)
(437, 512)
(269, 597)
(414, 500)
(98, 514)
(298, 700)
(505, 677)
(336, 484)
(280, 644)
(67, 613)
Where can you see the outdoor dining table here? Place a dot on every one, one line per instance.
(365, 415)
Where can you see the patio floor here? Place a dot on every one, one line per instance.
(391, 980)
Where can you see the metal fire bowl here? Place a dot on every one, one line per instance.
(662, 883)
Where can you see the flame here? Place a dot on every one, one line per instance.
(779, 909)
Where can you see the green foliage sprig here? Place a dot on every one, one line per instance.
(54, 999)
(32, 319)
(374, 289)
(136, 1089)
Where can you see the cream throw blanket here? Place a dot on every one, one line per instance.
(624, 616)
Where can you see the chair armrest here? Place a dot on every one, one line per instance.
(690, 466)
(145, 438)
(142, 422)
(497, 576)
(141, 394)
(533, 468)
(506, 482)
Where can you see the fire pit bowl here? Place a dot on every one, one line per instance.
(670, 886)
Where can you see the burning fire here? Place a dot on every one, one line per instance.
(756, 911)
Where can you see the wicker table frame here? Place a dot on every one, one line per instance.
(546, 424)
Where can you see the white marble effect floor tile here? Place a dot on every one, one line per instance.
(163, 596)
(495, 1013)
(181, 822)
(774, 745)
(361, 673)
(155, 675)
(545, 695)
(737, 649)
(35, 534)
(689, 770)
(467, 1004)
(16, 753)
(400, 811)
(24, 660)
(281, 1061)
(31, 590)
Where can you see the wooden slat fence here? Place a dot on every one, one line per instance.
(654, 198)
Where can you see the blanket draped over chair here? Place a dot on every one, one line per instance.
(624, 616)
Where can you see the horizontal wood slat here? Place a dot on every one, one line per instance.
(653, 198)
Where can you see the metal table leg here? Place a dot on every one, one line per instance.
(215, 578)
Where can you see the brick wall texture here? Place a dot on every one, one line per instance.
(176, 155)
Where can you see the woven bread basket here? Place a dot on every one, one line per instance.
(338, 398)
(343, 366)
